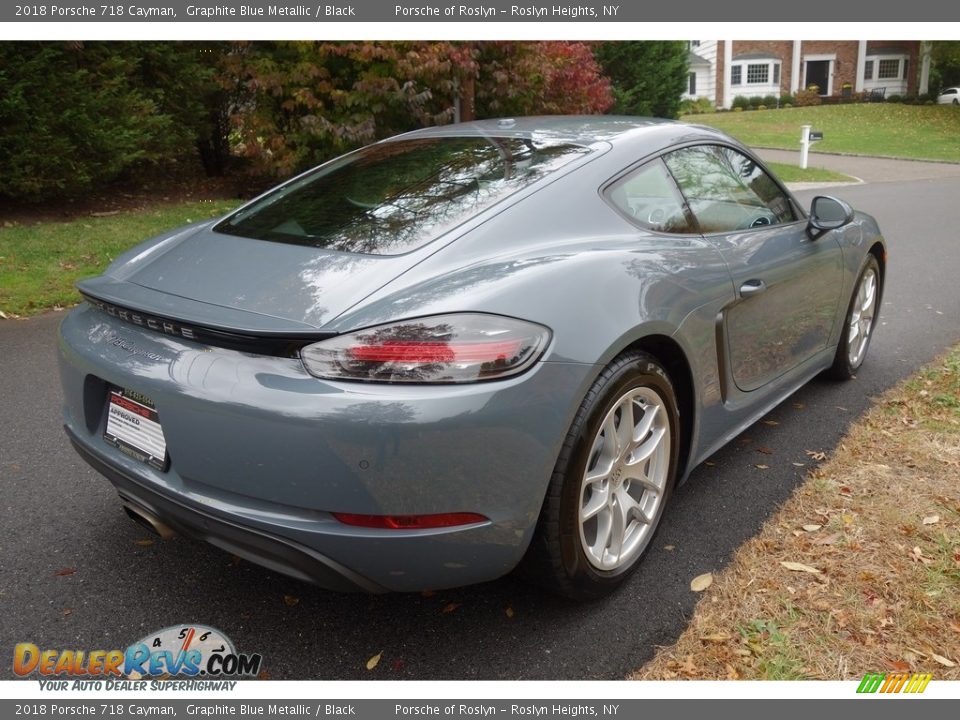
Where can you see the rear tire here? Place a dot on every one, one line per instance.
(859, 323)
(611, 483)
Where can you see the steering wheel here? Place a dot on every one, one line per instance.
(756, 220)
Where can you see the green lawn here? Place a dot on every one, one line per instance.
(890, 129)
(40, 263)
(792, 173)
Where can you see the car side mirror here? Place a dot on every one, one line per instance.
(829, 213)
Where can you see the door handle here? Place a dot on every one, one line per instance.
(752, 287)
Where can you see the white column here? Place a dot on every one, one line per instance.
(795, 66)
(861, 65)
(924, 68)
(727, 64)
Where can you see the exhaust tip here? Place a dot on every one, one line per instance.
(148, 520)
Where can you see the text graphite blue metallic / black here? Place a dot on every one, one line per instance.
(463, 347)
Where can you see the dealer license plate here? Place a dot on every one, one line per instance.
(133, 427)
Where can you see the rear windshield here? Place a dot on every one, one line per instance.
(390, 198)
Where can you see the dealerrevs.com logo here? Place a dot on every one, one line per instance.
(178, 657)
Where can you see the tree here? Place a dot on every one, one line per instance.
(303, 102)
(946, 63)
(540, 78)
(648, 77)
(75, 114)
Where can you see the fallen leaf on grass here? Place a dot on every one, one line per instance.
(291, 600)
(827, 539)
(3, 315)
(942, 660)
(812, 528)
(63, 572)
(931, 520)
(450, 607)
(701, 582)
(374, 661)
(715, 637)
(816, 454)
(799, 567)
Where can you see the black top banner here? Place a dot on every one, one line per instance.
(489, 11)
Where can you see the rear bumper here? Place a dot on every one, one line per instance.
(260, 547)
(261, 454)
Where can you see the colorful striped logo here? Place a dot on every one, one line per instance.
(894, 683)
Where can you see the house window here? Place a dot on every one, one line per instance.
(776, 73)
(906, 64)
(888, 69)
(758, 74)
(694, 44)
(735, 77)
(868, 70)
(692, 83)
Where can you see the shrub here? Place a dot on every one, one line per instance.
(699, 106)
(806, 98)
(894, 98)
(770, 100)
(756, 101)
(786, 100)
(741, 102)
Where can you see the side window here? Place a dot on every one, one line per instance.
(649, 197)
(726, 190)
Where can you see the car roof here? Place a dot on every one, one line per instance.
(580, 129)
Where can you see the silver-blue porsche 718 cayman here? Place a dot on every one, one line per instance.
(440, 355)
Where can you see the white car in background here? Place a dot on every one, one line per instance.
(950, 96)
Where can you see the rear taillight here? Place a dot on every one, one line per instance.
(410, 522)
(457, 348)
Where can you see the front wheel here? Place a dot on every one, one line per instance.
(859, 323)
(611, 482)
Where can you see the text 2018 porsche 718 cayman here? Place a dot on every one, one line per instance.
(428, 359)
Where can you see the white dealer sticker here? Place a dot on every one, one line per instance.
(134, 428)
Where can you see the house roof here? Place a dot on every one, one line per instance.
(694, 60)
